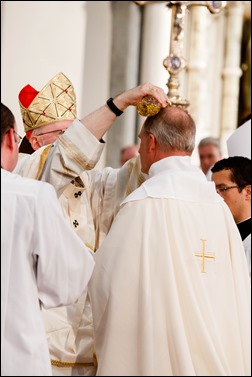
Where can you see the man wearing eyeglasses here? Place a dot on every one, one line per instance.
(232, 178)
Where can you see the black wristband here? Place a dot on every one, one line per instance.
(113, 107)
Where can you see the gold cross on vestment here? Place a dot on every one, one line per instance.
(175, 63)
(203, 255)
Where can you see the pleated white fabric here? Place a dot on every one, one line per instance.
(159, 306)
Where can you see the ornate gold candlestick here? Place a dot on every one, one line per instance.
(175, 63)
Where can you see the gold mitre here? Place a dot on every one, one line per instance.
(54, 103)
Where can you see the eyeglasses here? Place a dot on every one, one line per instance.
(60, 132)
(224, 189)
(19, 138)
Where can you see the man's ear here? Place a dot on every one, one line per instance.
(248, 192)
(9, 139)
(35, 143)
(152, 142)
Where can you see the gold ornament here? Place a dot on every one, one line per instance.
(149, 106)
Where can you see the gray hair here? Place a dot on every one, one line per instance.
(173, 128)
(210, 141)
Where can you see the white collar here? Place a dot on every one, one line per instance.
(175, 177)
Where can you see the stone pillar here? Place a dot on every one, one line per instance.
(232, 71)
(155, 46)
(205, 50)
(124, 74)
(197, 65)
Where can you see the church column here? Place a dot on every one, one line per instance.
(155, 46)
(124, 73)
(232, 71)
(196, 66)
(205, 45)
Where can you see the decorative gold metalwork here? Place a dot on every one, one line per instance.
(203, 255)
(63, 364)
(213, 6)
(149, 106)
(175, 63)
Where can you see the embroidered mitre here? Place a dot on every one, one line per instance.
(55, 102)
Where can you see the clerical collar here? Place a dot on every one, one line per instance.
(244, 228)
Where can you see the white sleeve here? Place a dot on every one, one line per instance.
(64, 264)
(75, 151)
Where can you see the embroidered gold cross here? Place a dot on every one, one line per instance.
(203, 255)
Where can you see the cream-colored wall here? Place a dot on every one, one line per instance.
(37, 43)
(42, 38)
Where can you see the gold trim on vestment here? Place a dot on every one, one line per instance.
(73, 154)
(65, 364)
(89, 246)
(42, 161)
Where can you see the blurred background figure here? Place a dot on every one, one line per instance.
(210, 152)
(128, 152)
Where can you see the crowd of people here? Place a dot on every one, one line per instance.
(157, 240)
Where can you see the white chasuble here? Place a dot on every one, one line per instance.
(170, 291)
